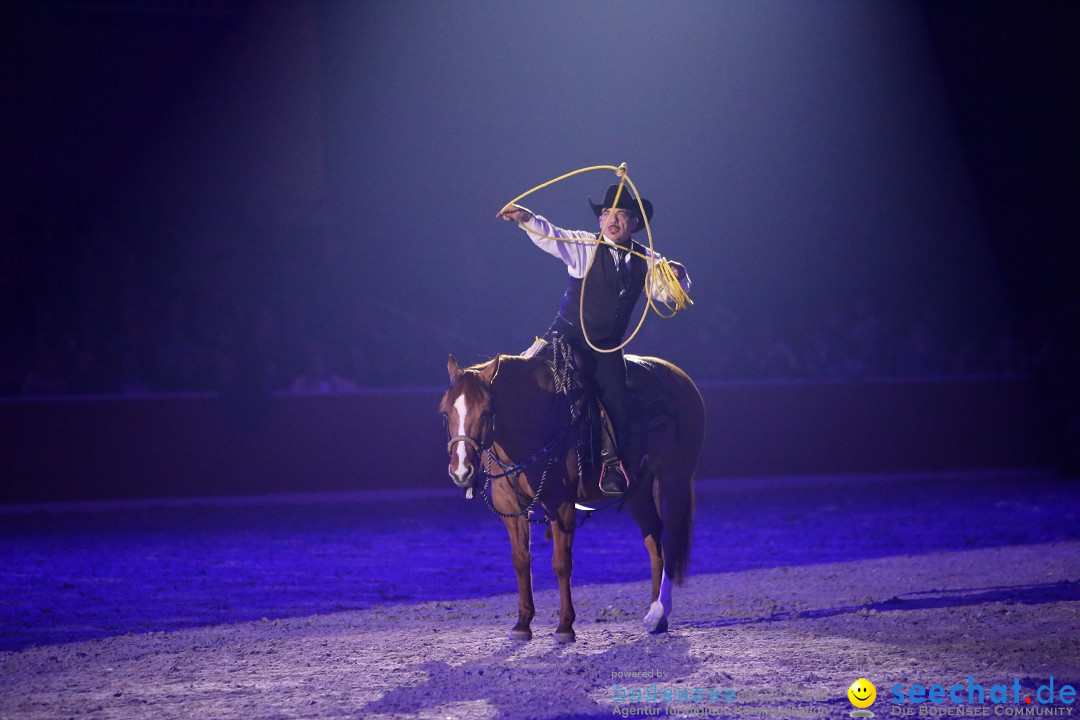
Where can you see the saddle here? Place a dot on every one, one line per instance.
(649, 403)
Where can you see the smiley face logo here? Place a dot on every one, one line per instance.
(862, 693)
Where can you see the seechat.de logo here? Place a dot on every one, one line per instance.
(862, 694)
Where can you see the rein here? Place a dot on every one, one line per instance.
(562, 371)
(519, 467)
(485, 492)
(540, 452)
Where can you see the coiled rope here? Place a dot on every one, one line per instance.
(659, 269)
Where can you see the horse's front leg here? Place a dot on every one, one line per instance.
(518, 527)
(562, 562)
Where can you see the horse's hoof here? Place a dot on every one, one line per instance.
(521, 635)
(655, 621)
(565, 637)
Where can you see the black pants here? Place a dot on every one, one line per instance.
(608, 371)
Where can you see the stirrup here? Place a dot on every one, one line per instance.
(613, 478)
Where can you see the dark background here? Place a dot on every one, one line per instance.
(231, 196)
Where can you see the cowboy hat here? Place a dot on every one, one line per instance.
(627, 201)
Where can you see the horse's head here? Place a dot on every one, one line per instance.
(467, 410)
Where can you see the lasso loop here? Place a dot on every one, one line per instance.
(659, 270)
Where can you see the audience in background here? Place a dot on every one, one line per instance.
(318, 377)
(86, 310)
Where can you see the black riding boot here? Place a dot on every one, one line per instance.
(614, 480)
(613, 477)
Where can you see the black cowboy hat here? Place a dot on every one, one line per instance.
(627, 201)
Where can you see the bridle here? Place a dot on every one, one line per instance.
(573, 399)
(478, 446)
(483, 450)
(475, 445)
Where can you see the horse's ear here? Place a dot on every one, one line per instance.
(453, 369)
(492, 370)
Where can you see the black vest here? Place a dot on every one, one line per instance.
(609, 299)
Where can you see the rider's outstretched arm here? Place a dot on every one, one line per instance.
(574, 247)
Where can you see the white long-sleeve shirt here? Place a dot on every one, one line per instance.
(578, 255)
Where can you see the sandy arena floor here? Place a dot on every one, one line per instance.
(393, 605)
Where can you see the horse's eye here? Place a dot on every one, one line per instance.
(486, 415)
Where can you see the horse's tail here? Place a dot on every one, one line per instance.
(677, 485)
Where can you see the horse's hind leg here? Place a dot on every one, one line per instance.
(518, 527)
(643, 508)
(656, 619)
(562, 562)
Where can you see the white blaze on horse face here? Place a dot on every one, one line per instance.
(461, 407)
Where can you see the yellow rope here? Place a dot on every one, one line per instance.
(659, 270)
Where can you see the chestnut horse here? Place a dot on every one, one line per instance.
(509, 426)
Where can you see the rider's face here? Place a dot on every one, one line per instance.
(617, 225)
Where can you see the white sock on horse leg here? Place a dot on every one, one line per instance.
(665, 593)
(660, 609)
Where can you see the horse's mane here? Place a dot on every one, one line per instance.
(521, 371)
(506, 357)
(507, 360)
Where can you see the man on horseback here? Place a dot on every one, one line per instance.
(614, 276)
